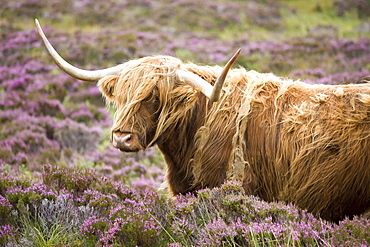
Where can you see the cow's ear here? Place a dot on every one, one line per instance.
(107, 86)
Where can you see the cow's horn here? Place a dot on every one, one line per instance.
(81, 74)
(216, 93)
(211, 92)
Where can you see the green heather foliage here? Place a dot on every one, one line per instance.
(63, 184)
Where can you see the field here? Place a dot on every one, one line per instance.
(61, 181)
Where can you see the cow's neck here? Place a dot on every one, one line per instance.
(178, 146)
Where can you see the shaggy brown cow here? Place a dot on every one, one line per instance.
(283, 139)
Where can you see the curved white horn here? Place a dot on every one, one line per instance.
(73, 71)
(195, 81)
(211, 92)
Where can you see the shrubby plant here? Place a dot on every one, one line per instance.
(361, 7)
(63, 208)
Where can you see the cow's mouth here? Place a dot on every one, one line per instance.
(126, 141)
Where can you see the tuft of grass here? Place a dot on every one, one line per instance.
(56, 235)
(38, 233)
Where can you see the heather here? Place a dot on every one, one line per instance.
(62, 183)
(79, 207)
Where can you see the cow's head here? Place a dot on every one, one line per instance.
(150, 94)
(149, 98)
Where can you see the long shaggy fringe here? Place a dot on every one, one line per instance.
(285, 140)
(142, 80)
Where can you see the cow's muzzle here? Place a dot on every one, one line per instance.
(126, 141)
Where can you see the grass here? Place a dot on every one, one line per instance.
(310, 14)
(38, 233)
(296, 21)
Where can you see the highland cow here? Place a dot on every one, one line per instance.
(282, 139)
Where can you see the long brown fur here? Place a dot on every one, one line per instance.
(285, 140)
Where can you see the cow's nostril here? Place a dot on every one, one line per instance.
(127, 138)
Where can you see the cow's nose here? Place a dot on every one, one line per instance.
(127, 142)
(122, 141)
